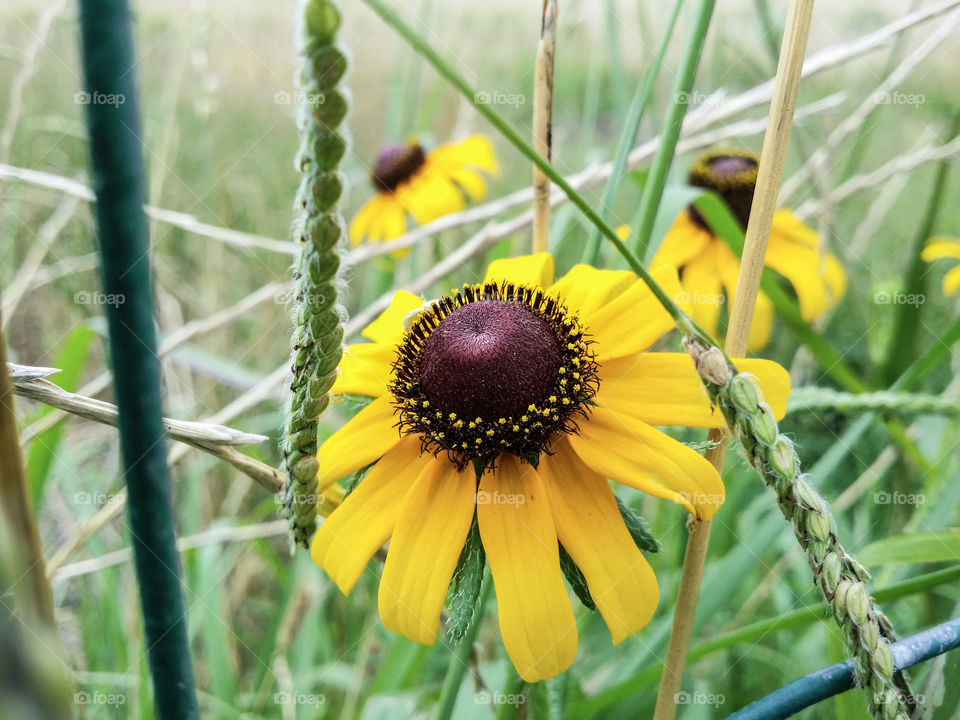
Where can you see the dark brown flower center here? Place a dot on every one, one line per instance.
(732, 175)
(397, 164)
(492, 368)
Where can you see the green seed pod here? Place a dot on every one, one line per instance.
(840, 597)
(743, 393)
(321, 20)
(326, 65)
(327, 149)
(818, 526)
(858, 602)
(305, 469)
(870, 635)
(323, 268)
(764, 425)
(324, 231)
(831, 572)
(805, 496)
(882, 660)
(782, 458)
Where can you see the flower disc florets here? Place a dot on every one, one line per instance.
(732, 174)
(493, 368)
(397, 164)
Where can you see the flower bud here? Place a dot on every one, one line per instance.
(782, 458)
(857, 602)
(743, 393)
(882, 660)
(764, 424)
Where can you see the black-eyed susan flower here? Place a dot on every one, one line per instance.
(938, 249)
(409, 180)
(708, 268)
(514, 401)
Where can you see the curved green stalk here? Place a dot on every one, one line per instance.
(629, 136)
(317, 341)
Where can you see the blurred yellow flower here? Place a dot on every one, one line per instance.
(425, 185)
(512, 402)
(708, 268)
(940, 248)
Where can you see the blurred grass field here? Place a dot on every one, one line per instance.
(272, 637)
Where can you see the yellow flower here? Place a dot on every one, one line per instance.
(709, 269)
(425, 185)
(545, 387)
(943, 247)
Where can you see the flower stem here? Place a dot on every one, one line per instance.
(461, 657)
(116, 154)
(772, 159)
(660, 167)
(543, 123)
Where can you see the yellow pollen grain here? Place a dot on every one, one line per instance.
(516, 428)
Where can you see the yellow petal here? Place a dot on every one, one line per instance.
(788, 226)
(701, 283)
(430, 195)
(365, 369)
(470, 182)
(536, 270)
(951, 281)
(633, 319)
(631, 452)
(801, 266)
(585, 289)
(762, 324)
(361, 525)
(592, 531)
(836, 278)
(369, 435)
(391, 223)
(518, 533)
(939, 248)
(664, 389)
(684, 241)
(369, 215)
(436, 515)
(475, 151)
(388, 327)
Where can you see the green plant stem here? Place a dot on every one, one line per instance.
(513, 686)
(629, 136)
(660, 167)
(461, 657)
(686, 325)
(118, 181)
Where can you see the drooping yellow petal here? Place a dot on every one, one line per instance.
(592, 531)
(365, 369)
(534, 270)
(788, 226)
(684, 241)
(941, 247)
(520, 539)
(664, 389)
(633, 319)
(585, 289)
(364, 521)
(762, 324)
(429, 535)
(388, 327)
(430, 195)
(470, 182)
(371, 214)
(475, 151)
(801, 266)
(701, 283)
(367, 437)
(633, 453)
(391, 222)
(951, 281)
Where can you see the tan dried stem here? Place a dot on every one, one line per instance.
(772, 157)
(543, 123)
